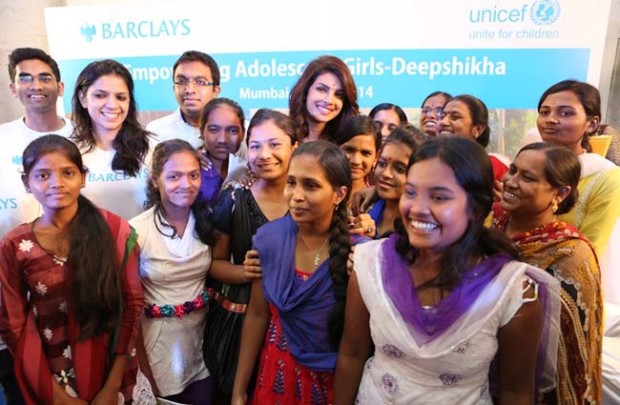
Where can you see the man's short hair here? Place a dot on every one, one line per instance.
(197, 56)
(21, 54)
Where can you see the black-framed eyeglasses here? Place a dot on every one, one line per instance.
(43, 78)
(436, 110)
(198, 82)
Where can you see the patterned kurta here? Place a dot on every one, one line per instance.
(282, 380)
(564, 253)
(37, 319)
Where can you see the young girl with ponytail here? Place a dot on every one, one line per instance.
(296, 312)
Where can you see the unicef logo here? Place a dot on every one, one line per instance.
(545, 12)
(88, 32)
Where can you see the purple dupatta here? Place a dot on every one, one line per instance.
(303, 306)
(426, 325)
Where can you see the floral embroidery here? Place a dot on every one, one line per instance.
(180, 310)
(461, 348)
(484, 391)
(66, 378)
(47, 332)
(67, 353)
(392, 351)
(133, 352)
(390, 384)
(41, 288)
(59, 261)
(63, 307)
(35, 311)
(26, 245)
(449, 379)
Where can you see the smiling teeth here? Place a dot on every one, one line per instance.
(509, 195)
(423, 226)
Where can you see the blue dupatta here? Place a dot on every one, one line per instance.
(303, 306)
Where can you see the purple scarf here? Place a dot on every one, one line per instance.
(303, 306)
(426, 325)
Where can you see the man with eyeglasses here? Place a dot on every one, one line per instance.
(196, 81)
(35, 82)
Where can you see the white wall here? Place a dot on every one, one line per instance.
(23, 24)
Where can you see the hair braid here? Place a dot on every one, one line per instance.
(339, 248)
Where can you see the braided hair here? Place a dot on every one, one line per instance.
(336, 168)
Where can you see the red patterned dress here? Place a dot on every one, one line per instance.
(281, 379)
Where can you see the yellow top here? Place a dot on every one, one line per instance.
(598, 207)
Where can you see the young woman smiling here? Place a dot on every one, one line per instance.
(540, 184)
(114, 145)
(443, 295)
(238, 214)
(175, 239)
(322, 99)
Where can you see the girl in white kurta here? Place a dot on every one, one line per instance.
(443, 296)
(175, 240)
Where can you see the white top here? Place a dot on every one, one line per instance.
(451, 369)
(174, 126)
(113, 190)
(173, 271)
(16, 205)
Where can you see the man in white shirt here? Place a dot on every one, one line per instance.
(196, 81)
(35, 81)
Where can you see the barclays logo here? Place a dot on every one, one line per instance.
(545, 12)
(137, 29)
(88, 32)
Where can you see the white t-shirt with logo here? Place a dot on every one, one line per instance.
(112, 190)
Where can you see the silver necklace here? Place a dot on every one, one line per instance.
(317, 255)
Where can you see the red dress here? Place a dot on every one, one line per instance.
(281, 379)
(37, 318)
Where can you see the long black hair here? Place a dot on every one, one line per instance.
(299, 94)
(473, 172)
(93, 262)
(132, 141)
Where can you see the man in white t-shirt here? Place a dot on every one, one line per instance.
(196, 81)
(35, 81)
